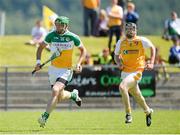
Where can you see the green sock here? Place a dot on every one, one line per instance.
(73, 96)
(45, 115)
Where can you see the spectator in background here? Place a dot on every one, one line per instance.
(174, 57)
(105, 57)
(115, 14)
(131, 15)
(88, 60)
(172, 27)
(102, 25)
(90, 13)
(38, 33)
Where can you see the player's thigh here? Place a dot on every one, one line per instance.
(57, 88)
(134, 91)
(128, 82)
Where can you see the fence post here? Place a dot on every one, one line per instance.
(6, 89)
(2, 23)
(133, 103)
(70, 105)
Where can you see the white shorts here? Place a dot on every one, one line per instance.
(55, 73)
(136, 75)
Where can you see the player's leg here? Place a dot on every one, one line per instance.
(136, 93)
(127, 83)
(57, 88)
(74, 95)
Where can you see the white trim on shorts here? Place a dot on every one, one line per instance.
(55, 73)
(131, 74)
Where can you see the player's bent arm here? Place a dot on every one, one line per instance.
(38, 55)
(42, 45)
(117, 60)
(148, 44)
(81, 57)
(153, 53)
(150, 65)
(82, 54)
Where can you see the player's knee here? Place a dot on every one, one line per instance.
(61, 96)
(56, 91)
(57, 88)
(139, 95)
(122, 87)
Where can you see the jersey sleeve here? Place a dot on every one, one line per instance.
(47, 39)
(77, 41)
(146, 42)
(117, 48)
(120, 11)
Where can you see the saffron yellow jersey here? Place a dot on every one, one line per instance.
(91, 4)
(64, 42)
(115, 10)
(132, 53)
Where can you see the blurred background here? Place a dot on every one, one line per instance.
(21, 15)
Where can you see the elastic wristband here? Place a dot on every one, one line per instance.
(38, 61)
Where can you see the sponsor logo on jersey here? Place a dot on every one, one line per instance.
(130, 51)
(64, 46)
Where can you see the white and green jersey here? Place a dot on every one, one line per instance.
(64, 42)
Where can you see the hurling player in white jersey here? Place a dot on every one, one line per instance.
(60, 72)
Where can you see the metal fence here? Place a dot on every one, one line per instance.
(19, 89)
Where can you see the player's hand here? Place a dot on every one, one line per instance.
(37, 67)
(149, 66)
(78, 68)
(120, 67)
(165, 37)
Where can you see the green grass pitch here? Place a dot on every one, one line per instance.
(89, 122)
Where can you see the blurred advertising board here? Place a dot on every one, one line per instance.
(104, 81)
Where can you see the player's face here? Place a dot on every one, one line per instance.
(61, 27)
(130, 32)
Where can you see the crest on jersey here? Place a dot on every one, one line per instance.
(67, 39)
